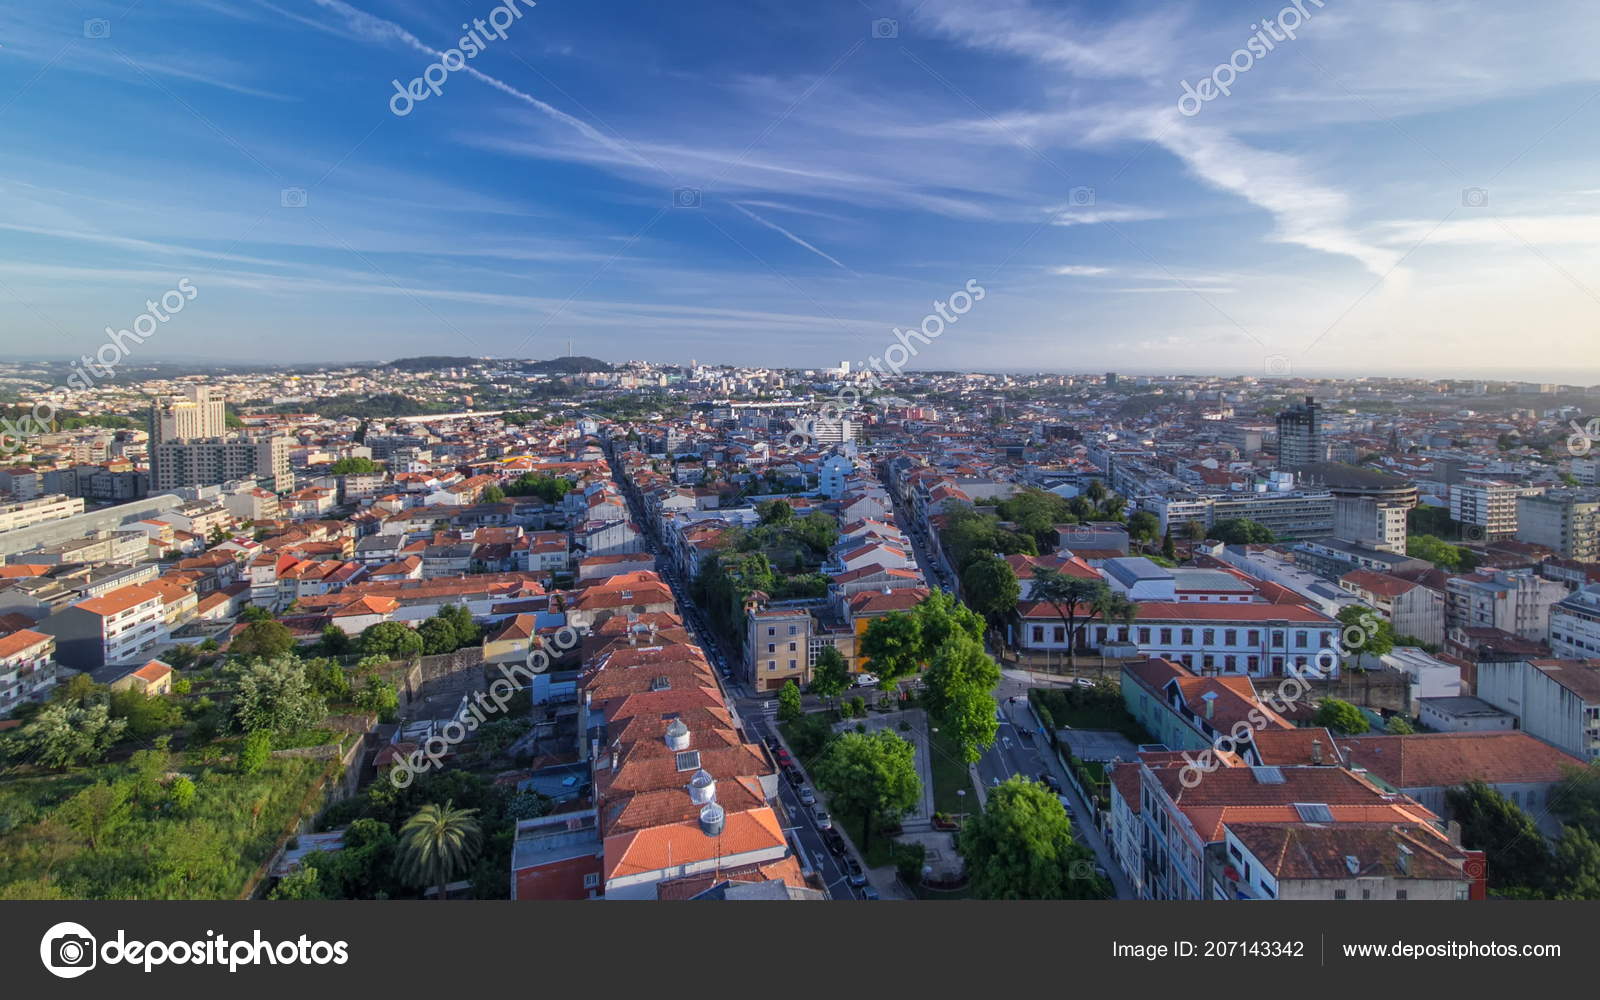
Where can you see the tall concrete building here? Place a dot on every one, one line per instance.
(1300, 435)
(1489, 506)
(1567, 521)
(1377, 524)
(218, 460)
(199, 413)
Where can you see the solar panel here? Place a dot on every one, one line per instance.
(689, 760)
(1313, 812)
(1268, 775)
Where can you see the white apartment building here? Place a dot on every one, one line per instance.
(1575, 625)
(1512, 601)
(1489, 506)
(125, 626)
(26, 513)
(1567, 521)
(1557, 701)
(27, 668)
(1373, 523)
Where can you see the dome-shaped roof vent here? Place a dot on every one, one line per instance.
(702, 788)
(712, 820)
(678, 735)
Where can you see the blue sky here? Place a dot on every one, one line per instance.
(1313, 220)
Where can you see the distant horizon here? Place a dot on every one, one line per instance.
(1533, 376)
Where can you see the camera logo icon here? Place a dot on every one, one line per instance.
(1277, 364)
(68, 950)
(686, 198)
(293, 197)
(885, 27)
(97, 27)
(1080, 197)
(1474, 198)
(1081, 869)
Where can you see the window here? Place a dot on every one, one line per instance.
(1338, 894)
(771, 630)
(1230, 637)
(1188, 637)
(1038, 633)
(1399, 894)
(591, 880)
(1231, 663)
(793, 629)
(1061, 633)
(1144, 636)
(1252, 663)
(1166, 637)
(1253, 638)
(1208, 637)
(791, 647)
(1300, 640)
(791, 664)
(1366, 893)
(1277, 640)
(772, 647)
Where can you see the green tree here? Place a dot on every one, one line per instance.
(775, 512)
(181, 794)
(254, 752)
(63, 735)
(355, 466)
(1073, 599)
(1442, 554)
(256, 613)
(1577, 799)
(1516, 851)
(438, 844)
(96, 812)
(392, 641)
(1575, 867)
(959, 695)
(302, 883)
(1168, 549)
(146, 715)
(941, 619)
(1195, 531)
(1375, 636)
(493, 494)
(275, 696)
(1398, 725)
(1341, 717)
(335, 642)
(991, 588)
(263, 640)
(830, 676)
(870, 776)
(892, 647)
(1021, 847)
(1144, 526)
(789, 708)
(1241, 531)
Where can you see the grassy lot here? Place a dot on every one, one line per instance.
(949, 776)
(880, 852)
(1082, 708)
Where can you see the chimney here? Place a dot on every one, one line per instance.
(1210, 698)
(1402, 859)
(1316, 751)
(1452, 830)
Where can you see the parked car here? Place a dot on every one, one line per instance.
(808, 797)
(835, 842)
(869, 893)
(1048, 780)
(858, 877)
(824, 821)
(795, 777)
(783, 757)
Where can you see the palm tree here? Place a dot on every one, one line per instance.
(437, 844)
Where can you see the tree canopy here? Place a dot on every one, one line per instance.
(1341, 717)
(960, 696)
(870, 776)
(1021, 847)
(991, 587)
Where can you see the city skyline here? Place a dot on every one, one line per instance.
(650, 184)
